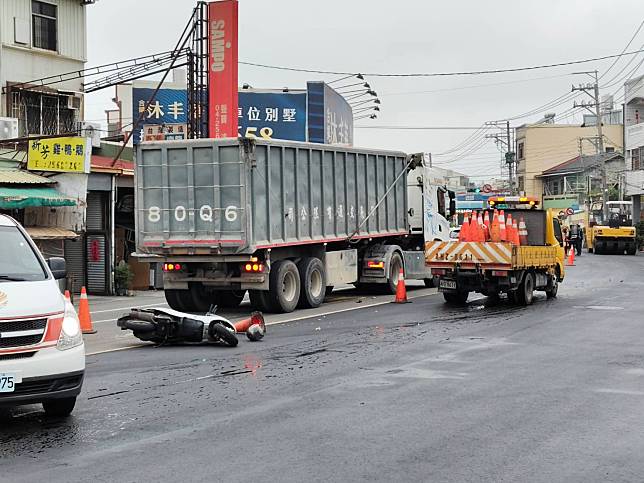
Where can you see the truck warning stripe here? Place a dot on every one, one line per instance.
(473, 252)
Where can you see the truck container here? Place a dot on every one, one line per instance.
(285, 220)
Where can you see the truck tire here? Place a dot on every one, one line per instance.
(597, 248)
(525, 293)
(230, 299)
(395, 264)
(590, 249)
(201, 299)
(259, 300)
(456, 298)
(551, 292)
(284, 283)
(631, 249)
(312, 283)
(176, 299)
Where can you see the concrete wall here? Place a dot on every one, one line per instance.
(547, 145)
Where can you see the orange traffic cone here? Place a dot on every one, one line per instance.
(571, 257)
(464, 234)
(495, 230)
(401, 290)
(509, 229)
(486, 219)
(68, 296)
(515, 233)
(254, 326)
(503, 229)
(83, 314)
(523, 232)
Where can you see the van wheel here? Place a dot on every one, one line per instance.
(176, 299)
(230, 299)
(284, 283)
(395, 265)
(59, 408)
(525, 294)
(259, 300)
(312, 283)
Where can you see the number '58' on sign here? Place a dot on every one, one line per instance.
(206, 213)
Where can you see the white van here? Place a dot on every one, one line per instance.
(42, 355)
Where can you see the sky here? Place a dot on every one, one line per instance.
(430, 36)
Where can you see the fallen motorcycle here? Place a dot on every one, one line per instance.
(167, 326)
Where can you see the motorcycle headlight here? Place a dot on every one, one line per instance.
(70, 335)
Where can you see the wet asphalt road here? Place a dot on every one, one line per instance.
(416, 392)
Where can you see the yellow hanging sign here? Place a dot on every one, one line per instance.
(67, 154)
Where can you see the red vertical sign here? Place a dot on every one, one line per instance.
(222, 94)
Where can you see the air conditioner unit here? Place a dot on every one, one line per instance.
(8, 128)
(91, 130)
(74, 102)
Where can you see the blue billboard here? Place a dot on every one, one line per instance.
(330, 116)
(168, 108)
(272, 115)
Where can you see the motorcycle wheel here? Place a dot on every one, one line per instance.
(222, 333)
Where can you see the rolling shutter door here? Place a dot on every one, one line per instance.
(95, 214)
(96, 270)
(74, 259)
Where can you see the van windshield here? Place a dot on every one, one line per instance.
(18, 262)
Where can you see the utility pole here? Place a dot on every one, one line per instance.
(505, 140)
(594, 107)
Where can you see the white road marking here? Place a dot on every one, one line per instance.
(278, 322)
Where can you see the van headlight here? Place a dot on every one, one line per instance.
(70, 334)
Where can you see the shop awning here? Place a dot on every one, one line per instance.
(17, 198)
(50, 233)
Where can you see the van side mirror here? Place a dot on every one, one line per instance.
(58, 267)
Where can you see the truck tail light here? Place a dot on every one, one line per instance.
(253, 267)
(438, 271)
(172, 267)
(373, 264)
(499, 273)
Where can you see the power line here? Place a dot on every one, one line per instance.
(442, 74)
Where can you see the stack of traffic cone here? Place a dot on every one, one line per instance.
(515, 233)
(254, 326)
(508, 229)
(571, 257)
(464, 234)
(486, 224)
(495, 230)
(502, 227)
(84, 316)
(401, 290)
(523, 232)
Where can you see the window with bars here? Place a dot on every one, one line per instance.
(44, 25)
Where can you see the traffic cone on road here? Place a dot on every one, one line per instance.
(401, 290)
(254, 326)
(515, 233)
(571, 257)
(84, 315)
(464, 234)
(523, 232)
(503, 227)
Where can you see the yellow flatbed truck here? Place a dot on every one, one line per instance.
(492, 268)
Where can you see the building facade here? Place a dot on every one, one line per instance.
(634, 142)
(540, 147)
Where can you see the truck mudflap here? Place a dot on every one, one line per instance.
(491, 254)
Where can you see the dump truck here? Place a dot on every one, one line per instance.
(492, 267)
(615, 235)
(285, 221)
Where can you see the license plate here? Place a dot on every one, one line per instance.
(8, 381)
(447, 284)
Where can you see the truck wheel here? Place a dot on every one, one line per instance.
(395, 264)
(176, 298)
(590, 249)
(312, 283)
(632, 249)
(597, 248)
(230, 299)
(284, 284)
(525, 293)
(59, 408)
(456, 298)
(551, 293)
(201, 299)
(259, 300)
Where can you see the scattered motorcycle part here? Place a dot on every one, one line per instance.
(255, 332)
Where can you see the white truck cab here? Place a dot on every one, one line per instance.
(42, 355)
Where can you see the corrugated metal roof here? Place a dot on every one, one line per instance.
(19, 176)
